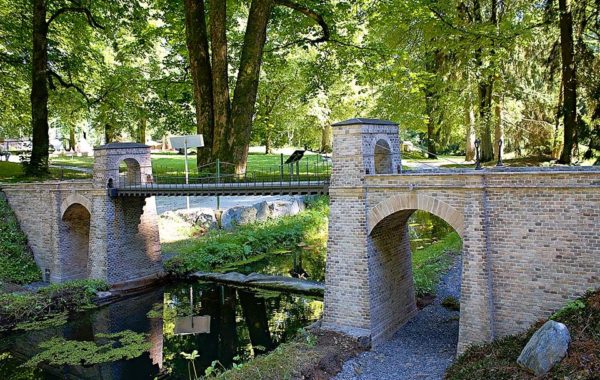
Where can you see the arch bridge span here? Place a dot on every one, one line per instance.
(531, 238)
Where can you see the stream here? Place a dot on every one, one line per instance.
(225, 325)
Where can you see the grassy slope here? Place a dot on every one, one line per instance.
(497, 360)
(16, 260)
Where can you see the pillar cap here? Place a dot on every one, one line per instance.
(359, 121)
(125, 145)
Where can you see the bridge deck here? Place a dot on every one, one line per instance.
(230, 188)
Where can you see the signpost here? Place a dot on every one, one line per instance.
(185, 142)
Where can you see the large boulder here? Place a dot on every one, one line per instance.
(285, 207)
(546, 348)
(201, 217)
(263, 211)
(239, 215)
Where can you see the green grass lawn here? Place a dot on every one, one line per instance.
(173, 164)
(11, 172)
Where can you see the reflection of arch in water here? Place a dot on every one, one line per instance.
(130, 171)
(75, 240)
(382, 156)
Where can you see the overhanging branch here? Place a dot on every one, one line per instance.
(85, 11)
(65, 84)
(317, 17)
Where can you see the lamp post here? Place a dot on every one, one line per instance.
(500, 153)
(477, 158)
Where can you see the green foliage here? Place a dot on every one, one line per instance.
(430, 262)
(570, 309)
(107, 348)
(220, 247)
(47, 302)
(52, 321)
(16, 260)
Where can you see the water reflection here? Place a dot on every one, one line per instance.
(224, 324)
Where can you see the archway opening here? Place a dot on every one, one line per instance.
(416, 264)
(130, 172)
(75, 242)
(383, 157)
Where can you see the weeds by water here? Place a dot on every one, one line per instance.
(47, 302)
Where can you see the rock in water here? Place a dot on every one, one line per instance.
(546, 348)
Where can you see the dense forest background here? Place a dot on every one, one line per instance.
(279, 73)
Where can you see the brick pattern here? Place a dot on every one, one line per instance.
(531, 240)
(76, 230)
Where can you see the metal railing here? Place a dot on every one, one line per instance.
(219, 177)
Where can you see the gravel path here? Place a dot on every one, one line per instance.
(422, 349)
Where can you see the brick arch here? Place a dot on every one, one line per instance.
(74, 199)
(402, 202)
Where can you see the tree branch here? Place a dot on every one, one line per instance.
(88, 15)
(65, 84)
(318, 18)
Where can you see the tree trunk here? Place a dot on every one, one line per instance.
(498, 130)
(197, 46)
(569, 80)
(142, 130)
(220, 80)
(485, 118)
(244, 97)
(72, 141)
(470, 131)
(326, 138)
(429, 109)
(39, 92)
(268, 143)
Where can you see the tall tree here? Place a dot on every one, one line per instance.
(42, 75)
(569, 74)
(225, 120)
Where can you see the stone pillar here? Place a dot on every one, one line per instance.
(347, 287)
(476, 323)
(124, 231)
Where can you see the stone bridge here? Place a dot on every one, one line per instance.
(77, 231)
(531, 238)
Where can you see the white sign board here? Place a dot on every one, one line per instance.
(189, 141)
